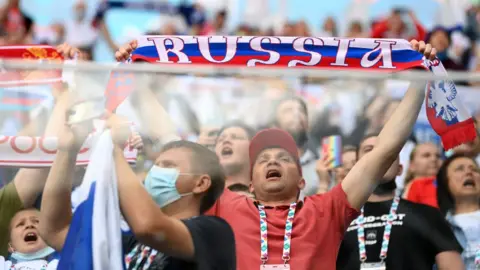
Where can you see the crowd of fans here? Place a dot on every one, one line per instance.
(239, 197)
(181, 214)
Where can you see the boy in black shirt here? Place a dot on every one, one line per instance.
(396, 234)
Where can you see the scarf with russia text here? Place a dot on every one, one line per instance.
(445, 112)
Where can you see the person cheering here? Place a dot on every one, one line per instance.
(396, 234)
(458, 196)
(165, 215)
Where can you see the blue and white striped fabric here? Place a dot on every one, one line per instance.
(94, 240)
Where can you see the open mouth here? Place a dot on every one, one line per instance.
(469, 183)
(30, 237)
(273, 173)
(226, 151)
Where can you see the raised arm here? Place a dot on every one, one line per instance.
(160, 128)
(146, 219)
(30, 182)
(56, 211)
(364, 176)
(449, 260)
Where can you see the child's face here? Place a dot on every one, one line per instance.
(24, 235)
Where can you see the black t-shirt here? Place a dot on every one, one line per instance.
(419, 233)
(214, 244)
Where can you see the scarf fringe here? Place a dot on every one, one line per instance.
(463, 132)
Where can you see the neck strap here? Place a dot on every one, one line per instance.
(264, 233)
(386, 234)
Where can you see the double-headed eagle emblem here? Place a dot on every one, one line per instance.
(440, 97)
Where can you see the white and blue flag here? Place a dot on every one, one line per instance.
(94, 240)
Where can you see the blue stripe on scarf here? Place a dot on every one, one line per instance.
(244, 49)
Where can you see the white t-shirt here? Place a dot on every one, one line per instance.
(30, 265)
(80, 34)
(470, 225)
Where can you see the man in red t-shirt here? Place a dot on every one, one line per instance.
(279, 229)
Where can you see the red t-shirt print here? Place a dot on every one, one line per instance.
(318, 227)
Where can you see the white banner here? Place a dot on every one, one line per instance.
(22, 151)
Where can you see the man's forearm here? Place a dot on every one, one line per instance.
(364, 176)
(148, 223)
(30, 182)
(135, 202)
(56, 212)
(449, 260)
(400, 125)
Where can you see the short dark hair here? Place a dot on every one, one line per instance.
(349, 148)
(399, 10)
(238, 187)
(250, 131)
(204, 162)
(222, 13)
(436, 29)
(368, 136)
(444, 197)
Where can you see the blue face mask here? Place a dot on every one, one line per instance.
(160, 184)
(25, 257)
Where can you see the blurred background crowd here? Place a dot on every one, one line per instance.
(201, 105)
(310, 109)
(100, 26)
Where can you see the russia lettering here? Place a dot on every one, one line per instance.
(265, 51)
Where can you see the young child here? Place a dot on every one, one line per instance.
(27, 249)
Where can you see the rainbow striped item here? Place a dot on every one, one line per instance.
(448, 117)
(332, 147)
